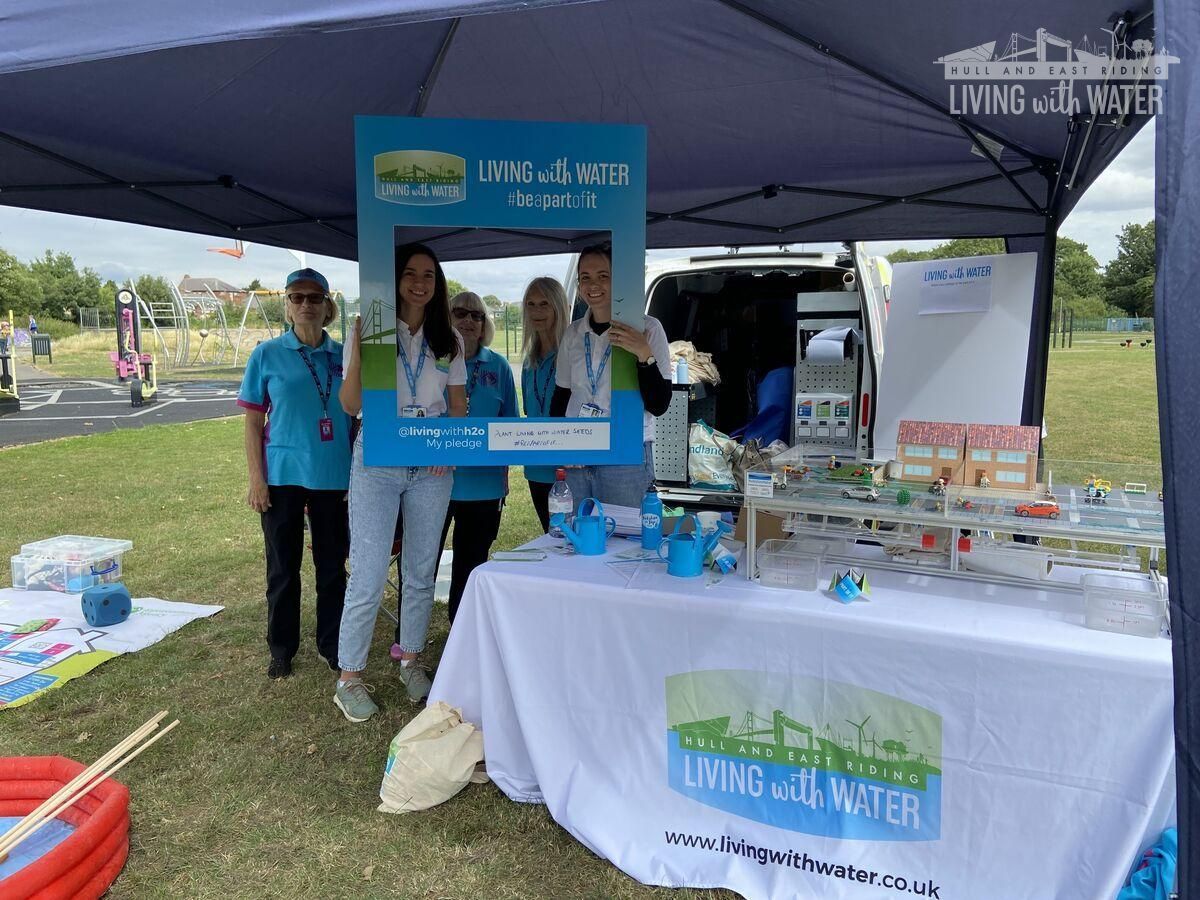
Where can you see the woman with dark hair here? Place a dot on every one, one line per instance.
(290, 388)
(430, 382)
(583, 380)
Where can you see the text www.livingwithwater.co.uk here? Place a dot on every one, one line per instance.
(792, 859)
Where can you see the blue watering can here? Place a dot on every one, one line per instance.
(590, 528)
(686, 550)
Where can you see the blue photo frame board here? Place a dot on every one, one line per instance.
(445, 174)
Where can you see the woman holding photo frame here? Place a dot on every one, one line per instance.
(545, 315)
(431, 381)
(583, 380)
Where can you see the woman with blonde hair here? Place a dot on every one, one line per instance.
(545, 315)
(291, 386)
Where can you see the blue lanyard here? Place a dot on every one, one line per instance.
(408, 372)
(328, 392)
(474, 380)
(594, 380)
(542, 394)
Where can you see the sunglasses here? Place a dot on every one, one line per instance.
(462, 313)
(312, 299)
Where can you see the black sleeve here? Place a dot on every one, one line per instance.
(558, 403)
(655, 390)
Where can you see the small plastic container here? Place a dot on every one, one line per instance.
(68, 563)
(1124, 604)
(783, 564)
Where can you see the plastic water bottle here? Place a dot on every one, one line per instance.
(652, 510)
(681, 372)
(561, 502)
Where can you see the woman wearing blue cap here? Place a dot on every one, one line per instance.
(298, 457)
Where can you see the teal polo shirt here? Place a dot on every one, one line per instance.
(537, 388)
(491, 394)
(278, 383)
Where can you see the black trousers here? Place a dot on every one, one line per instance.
(283, 533)
(539, 492)
(476, 526)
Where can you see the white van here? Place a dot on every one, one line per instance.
(757, 313)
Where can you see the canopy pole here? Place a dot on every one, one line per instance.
(425, 91)
(1038, 356)
(1176, 336)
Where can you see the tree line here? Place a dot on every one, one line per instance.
(1124, 288)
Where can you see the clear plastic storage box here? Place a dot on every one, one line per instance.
(1124, 604)
(788, 564)
(69, 563)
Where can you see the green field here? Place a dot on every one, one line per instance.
(265, 790)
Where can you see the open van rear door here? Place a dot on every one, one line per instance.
(873, 292)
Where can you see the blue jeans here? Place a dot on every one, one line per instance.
(376, 496)
(618, 485)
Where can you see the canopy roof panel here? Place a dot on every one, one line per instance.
(768, 121)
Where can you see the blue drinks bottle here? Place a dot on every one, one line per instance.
(652, 512)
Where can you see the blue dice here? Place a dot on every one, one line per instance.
(106, 604)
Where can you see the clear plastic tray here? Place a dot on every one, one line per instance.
(1140, 596)
(1123, 603)
(785, 564)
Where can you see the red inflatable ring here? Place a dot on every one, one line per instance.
(89, 860)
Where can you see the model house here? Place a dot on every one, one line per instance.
(927, 451)
(1006, 455)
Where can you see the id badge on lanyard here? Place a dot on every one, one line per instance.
(413, 410)
(325, 423)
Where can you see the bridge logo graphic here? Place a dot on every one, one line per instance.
(420, 177)
(806, 754)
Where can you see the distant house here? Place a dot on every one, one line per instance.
(1007, 455)
(222, 289)
(930, 450)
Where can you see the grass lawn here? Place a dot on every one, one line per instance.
(265, 790)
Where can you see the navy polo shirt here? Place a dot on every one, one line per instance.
(278, 383)
(491, 394)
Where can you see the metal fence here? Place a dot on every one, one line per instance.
(1115, 324)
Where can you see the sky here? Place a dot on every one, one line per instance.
(1123, 193)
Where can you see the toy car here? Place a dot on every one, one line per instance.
(1039, 509)
(869, 494)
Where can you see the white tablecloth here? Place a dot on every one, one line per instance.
(718, 736)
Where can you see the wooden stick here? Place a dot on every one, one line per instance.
(70, 801)
(73, 785)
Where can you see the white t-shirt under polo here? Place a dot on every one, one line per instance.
(436, 375)
(572, 370)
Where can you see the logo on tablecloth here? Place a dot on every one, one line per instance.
(805, 754)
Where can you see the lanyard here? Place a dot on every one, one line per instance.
(328, 392)
(474, 378)
(594, 380)
(412, 379)
(541, 395)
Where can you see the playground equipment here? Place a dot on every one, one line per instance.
(130, 362)
(254, 301)
(206, 305)
(10, 400)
